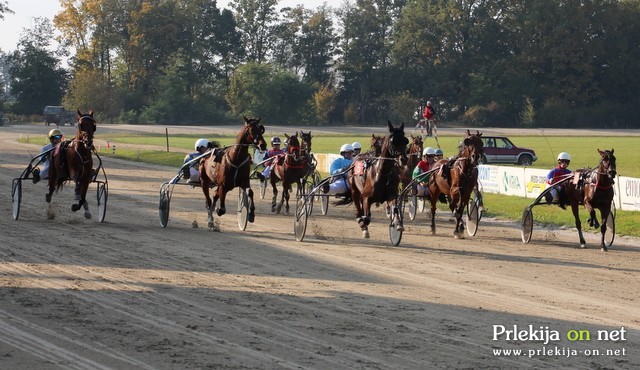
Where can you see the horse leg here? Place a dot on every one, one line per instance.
(207, 197)
(366, 211)
(221, 195)
(252, 207)
(397, 221)
(604, 214)
(287, 194)
(458, 232)
(285, 191)
(275, 195)
(576, 216)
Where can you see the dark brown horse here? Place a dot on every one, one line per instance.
(305, 152)
(72, 160)
(594, 189)
(290, 171)
(457, 178)
(376, 180)
(414, 154)
(231, 169)
(376, 144)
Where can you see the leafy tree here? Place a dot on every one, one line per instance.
(4, 8)
(37, 80)
(317, 46)
(264, 90)
(255, 20)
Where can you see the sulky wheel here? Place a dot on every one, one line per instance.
(163, 206)
(527, 225)
(243, 208)
(412, 206)
(473, 218)
(300, 219)
(395, 235)
(263, 188)
(16, 197)
(102, 201)
(610, 234)
(310, 184)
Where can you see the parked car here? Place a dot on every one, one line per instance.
(499, 149)
(57, 115)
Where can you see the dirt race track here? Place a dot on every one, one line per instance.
(128, 294)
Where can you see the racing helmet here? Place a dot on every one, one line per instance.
(356, 145)
(54, 132)
(565, 156)
(429, 103)
(439, 152)
(275, 140)
(346, 148)
(428, 151)
(202, 142)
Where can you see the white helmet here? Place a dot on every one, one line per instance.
(356, 145)
(565, 156)
(346, 148)
(439, 152)
(275, 140)
(429, 103)
(202, 142)
(428, 151)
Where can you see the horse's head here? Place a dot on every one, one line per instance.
(396, 142)
(376, 144)
(86, 127)
(472, 147)
(305, 141)
(608, 163)
(293, 146)
(252, 132)
(416, 145)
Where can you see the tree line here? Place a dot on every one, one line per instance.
(512, 63)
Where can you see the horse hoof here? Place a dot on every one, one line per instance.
(433, 232)
(47, 198)
(583, 246)
(221, 211)
(400, 228)
(251, 217)
(365, 234)
(75, 207)
(210, 224)
(87, 215)
(604, 249)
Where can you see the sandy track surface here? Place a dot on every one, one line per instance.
(126, 293)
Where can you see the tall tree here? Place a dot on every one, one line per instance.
(317, 46)
(255, 20)
(4, 8)
(37, 79)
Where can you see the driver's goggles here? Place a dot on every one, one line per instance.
(56, 137)
(564, 161)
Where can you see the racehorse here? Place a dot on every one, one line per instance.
(594, 189)
(376, 180)
(72, 159)
(414, 153)
(457, 178)
(376, 144)
(290, 171)
(305, 152)
(231, 168)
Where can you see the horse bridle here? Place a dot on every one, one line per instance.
(86, 140)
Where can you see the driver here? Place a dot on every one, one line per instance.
(55, 137)
(557, 194)
(339, 184)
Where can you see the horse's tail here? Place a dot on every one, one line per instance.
(60, 184)
(344, 200)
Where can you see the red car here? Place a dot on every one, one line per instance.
(499, 149)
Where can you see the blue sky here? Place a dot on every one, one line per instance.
(11, 27)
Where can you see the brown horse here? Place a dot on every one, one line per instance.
(290, 171)
(376, 180)
(414, 154)
(594, 189)
(376, 144)
(305, 152)
(231, 168)
(457, 178)
(72, 160)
